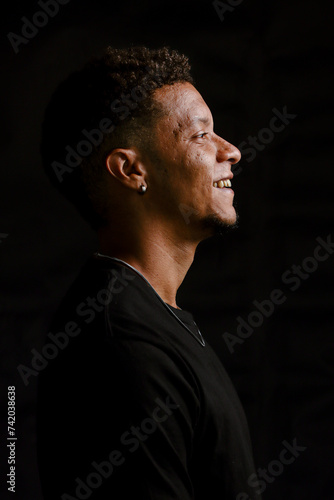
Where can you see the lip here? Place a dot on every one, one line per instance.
(225, 189)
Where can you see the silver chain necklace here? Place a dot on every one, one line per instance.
(199, 338)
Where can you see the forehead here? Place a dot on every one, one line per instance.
(183, 105)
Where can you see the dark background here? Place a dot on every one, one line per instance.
(263, 55)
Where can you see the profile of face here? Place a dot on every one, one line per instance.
(189, 175)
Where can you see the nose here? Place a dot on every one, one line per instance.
(227, 152)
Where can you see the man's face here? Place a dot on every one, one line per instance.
(191, 163)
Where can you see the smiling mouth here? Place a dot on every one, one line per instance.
(222, 184)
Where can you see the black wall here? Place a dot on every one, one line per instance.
(261, 59)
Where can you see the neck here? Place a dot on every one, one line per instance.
(161, 257)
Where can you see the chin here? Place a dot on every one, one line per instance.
(221, 224)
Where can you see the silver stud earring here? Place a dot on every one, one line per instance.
(142, 189)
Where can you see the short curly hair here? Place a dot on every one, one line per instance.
(107, 104)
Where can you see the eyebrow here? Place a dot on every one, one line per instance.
(197, 119)
(202, 119)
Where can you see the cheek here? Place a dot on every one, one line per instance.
(202, 170)
(198, 186)
(199, 166)
(188, 178)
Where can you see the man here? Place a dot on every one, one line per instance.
(137, 404)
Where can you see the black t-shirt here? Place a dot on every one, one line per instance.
(134, 404)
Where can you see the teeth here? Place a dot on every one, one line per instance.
(221, 184)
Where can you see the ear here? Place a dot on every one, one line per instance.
(126, 166)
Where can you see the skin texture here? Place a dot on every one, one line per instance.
(158, 232)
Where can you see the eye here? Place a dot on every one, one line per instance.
(202, 135)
